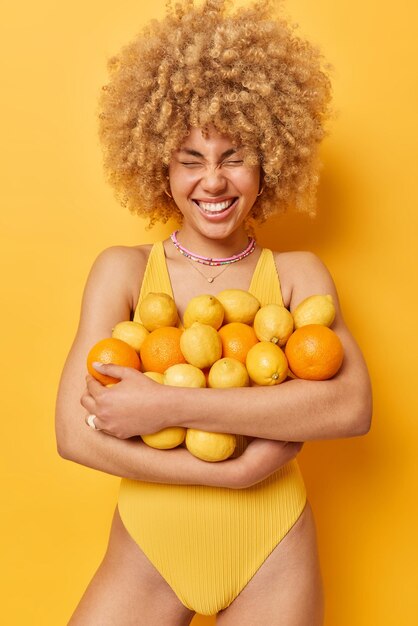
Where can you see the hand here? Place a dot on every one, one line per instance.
(262, 457)
(128, 408)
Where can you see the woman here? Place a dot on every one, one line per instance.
(213, 117)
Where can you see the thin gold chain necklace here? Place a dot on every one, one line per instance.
(210, 279)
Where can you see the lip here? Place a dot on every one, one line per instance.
(216, 217)
(214, 200)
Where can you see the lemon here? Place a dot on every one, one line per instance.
(315, 310)
(155, 376)
(157, 310)
(201, 345)
(210, 446)
(166, 438)
(205, 309)
(239, 305)
(266, 364)
(273, 323)
(130, 332)
(228, 372)
(184, 375)
(180, 375)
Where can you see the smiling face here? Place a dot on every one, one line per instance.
(211, 185)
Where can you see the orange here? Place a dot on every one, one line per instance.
(161, 349)
(314, 352)
(111, 350)
(237, 338)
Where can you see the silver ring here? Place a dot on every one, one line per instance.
(90, 422)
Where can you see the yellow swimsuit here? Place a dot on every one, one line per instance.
(208, 542)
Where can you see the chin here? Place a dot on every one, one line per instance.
(218, 231)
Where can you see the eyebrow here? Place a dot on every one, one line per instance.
(197, 154)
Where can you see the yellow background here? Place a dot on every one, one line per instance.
(57, 214)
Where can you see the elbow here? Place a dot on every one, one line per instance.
(360, 417)
(65, 448)
(362, 425)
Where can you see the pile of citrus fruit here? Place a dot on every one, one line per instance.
(226, 341)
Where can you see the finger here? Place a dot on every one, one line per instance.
(116, 371)
(93, 421)
(293, 448)
(294, 443)
(88, 402)
(94, 386)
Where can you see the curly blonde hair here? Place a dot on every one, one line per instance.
(243, 71)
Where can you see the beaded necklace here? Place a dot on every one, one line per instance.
(213, 261)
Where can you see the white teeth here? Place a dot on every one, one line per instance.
(215, 207)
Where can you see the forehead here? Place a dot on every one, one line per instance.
(207, 141)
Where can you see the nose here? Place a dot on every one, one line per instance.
(213, 181)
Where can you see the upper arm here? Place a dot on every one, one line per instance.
(310, 277)
(108, 299)
(305, 275)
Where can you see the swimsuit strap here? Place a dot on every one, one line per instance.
(156, 277)
(265, 283)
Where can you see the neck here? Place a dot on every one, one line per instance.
(216, 248)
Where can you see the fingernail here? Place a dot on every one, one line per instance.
(97, 365)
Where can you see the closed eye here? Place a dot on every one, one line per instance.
(229, 163)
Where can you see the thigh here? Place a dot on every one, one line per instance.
(287, 589)
(127, 590)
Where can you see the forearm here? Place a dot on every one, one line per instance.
(297, 410)
(135, 460)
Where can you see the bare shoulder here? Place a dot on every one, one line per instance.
(302, 274)
(112, 289)
(121, 268)
(127, 257)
